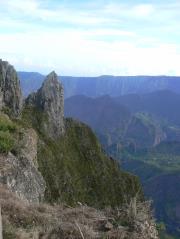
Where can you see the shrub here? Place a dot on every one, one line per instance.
(6, 142)
(6, 124)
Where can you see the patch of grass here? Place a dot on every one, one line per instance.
(75, 169)
(6, 142)
(7, 131)
(6, 124)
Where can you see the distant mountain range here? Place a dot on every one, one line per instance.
(103, 85)
(164, 104)
(149, 118)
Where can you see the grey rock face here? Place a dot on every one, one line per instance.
(50, 100)
(28, 145)
(10, 91)
(19, 172)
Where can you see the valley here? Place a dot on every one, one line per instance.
(143, 135)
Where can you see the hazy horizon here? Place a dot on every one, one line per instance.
(92, 76)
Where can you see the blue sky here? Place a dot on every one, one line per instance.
(91, 38)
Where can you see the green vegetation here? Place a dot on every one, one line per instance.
(7, 130)
(158, 169)
(161, 227)
(6, 124)
(145, 118)
(32, 117)
(165, 156)
(6, 142)
(76, 169)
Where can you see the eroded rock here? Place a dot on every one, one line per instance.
(10, 91)
(50, 100)
(19, 172)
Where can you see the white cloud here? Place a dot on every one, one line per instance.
(104, 39)
(70, 53)
(28, 6)
(142, 10)
(109, 32)
(130, 11)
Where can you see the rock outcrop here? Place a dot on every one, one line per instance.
(10, 91)
(19, 172)
(50, 100)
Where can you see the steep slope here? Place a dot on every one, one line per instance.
(74, 165)
(146, 146)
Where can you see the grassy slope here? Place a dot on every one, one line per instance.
(7, 133)
(75, 168)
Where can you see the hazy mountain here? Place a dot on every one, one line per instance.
(163, 104)
(103, 85)
(103, 114)
(114, 122)
(30, 81)
(144, 122)
(140, 131)
(159, 171)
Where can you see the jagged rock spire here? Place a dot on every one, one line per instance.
(50, 99)
(10, 91)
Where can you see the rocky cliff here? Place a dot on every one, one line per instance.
(10, 91)
(18, 145)
(18, 161)
(44, 157)
(50, 100)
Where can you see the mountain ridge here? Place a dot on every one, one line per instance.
(97, 86)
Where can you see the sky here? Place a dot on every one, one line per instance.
(91, 37)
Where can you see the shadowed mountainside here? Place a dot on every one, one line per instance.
(145, 139)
